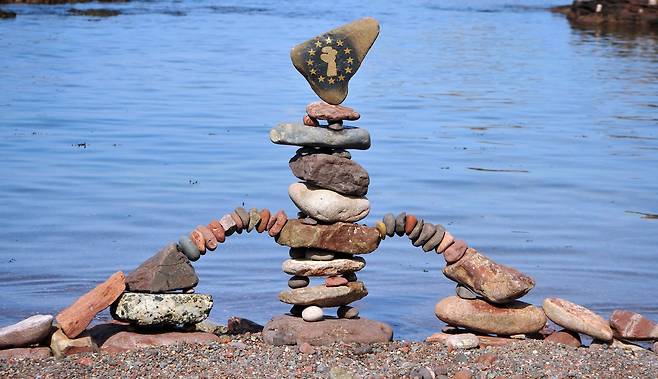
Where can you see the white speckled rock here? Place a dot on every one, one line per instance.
(162, 309)
(312, 313)
(328, 206)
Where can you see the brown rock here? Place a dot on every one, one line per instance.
(632, 326)
(516, 317)
(168, 270)
(25, 353)
(290, 330)
(271, 222)
(463, 374)
(415, 232)
(486, 360)
(264, 220)
(486, 341)
(244, 216)
(197, 238)
(322, 296)
(331, 172)
(33, 329)
(447, 240)
(342, 237)
(228, 223)
(335, 281)
(492, 281)
(455, 251)
(410, 222)
(438, 338)
(577, 318)
(209, 239)
(310, 121)
(565, 337)
(217, 231)
(62, 346)
(127, 341)
(239, 325)
(323, 111)
(74, 319)
(281, 220)
(306, 348)
(238, 221)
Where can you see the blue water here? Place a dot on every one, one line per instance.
(117, 135)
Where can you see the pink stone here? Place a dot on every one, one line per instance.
(335, 281)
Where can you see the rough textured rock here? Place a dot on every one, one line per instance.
(62, 346)
(565, 337)
(507, 319)
(74, 319)
(239, 325)
(33, 329)
(127, 341)
(25, 353)
(228, 224)
(307, 267)
(633, 326)
(328, 206)
(162, 309)
(290, 330)
(323, 111)
(168, 270)
(322, 296)
(334, 173)
(492, 281)
(328, 61)
(577, 318)
(254, 219)
(302, 135)
(342, 237)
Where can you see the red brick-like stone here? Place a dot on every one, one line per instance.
(335, 281)
(264, 220)
(633, 326)
(565, 337)
(310, 121)
(208, 237)
(281, 220)
(323, 111)
(340, 236)
(74, 319)
(197, 238)
(25, 353)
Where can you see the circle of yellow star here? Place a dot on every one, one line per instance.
(348, 70)
(341, 77)
(321, 78)
(313, 72)
(350, 60)
(318, 44)
(328, 40)
(348, 50)
(339, 42)
(332, 81)
(309, 62)
(311, 52)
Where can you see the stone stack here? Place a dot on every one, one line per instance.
(331, 197)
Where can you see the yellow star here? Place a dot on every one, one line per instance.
(348, 70)
(328, 40)
(348, 50)
(332, 81)
(311, 52)
(341, 77)
(339, 42)
(309, 62)
(313, 72)
(321, 78)
(318, 44)
(350, 60)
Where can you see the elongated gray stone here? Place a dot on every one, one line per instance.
(389, 221)
(302, 135)
(307, 267)
(426, 233)
(399, 223)
(161, 309)
(322, 296)
(188, 248)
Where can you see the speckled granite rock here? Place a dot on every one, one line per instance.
(162, 309)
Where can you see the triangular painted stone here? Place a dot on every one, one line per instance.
(168, 270)
(328, 61)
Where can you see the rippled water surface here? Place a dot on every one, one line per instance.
(119, 134)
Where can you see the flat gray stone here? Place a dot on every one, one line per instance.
(162, 309)
(322, 296)
(316, 136)
(426, 233)
(465, 293)
(389, 221)
(436, 239)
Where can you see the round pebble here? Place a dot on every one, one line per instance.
(244, 216)
(381, 228)
(389, 221)
(447, 240)
(312, 313)
(345, 311)
(465, 292)
(187, 247)
(400, 223)
(435, 240)
(425, 234)
(197, 238)
(298, 281)
(415, 232)
(264, 219)
(318, 255)
(409, 223)
(208, 237)
(217, 230)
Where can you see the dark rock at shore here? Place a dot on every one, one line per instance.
(98, 12)
(7, 14)
(331, 172)
(290, 330)
(168, 270)
(612, 12)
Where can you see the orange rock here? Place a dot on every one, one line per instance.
(565, 337)
(74, 319)
(197, 238)
(438, 338)
(409, 223)
(310, 121)
(486, 360)
(281, 220)
(264, 220)
(208, 237)
(494, 341)
(62, 346)
(25, 353)
(217, 230)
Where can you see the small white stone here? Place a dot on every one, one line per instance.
(599, 7)
(312, 313)
(653, 2)
(462, 341)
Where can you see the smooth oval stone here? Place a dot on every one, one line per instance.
(322, 296)
(565, 337)
(197, 238)
(494, 282)
(577, 318)
(462, 341)
(345, 311)
(344, 237)
(298, 281)
(254, 219)
(264, 220)
(323, 111)
(161, 309)
(409, 224)
(465, 293)
(447, 240)
(415, 232)
(312, 313)
(516, 317)
(306, 267)
(188, 248)
(389, 221)
(302, 135)
(399, 224)
(244, 216)
(328, 206)
(455, 252)
(434, 241)
(426, 233)
(335, 281)
(330, 172)
(319, 255)
(381, 228)
(33, 329)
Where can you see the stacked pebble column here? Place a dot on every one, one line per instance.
(332, 192)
